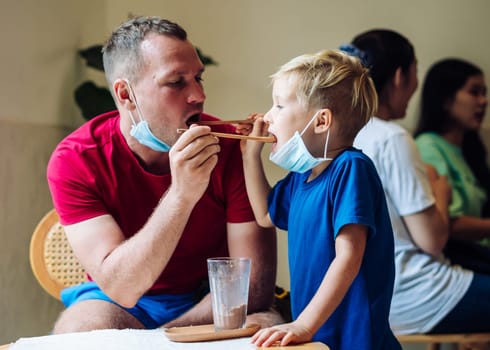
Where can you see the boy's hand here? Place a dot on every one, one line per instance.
(285, 333)
(258, 128)
(246, 129)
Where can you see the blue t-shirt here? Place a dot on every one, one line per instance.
(348, 191)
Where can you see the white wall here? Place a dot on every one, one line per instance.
(250, 39)
(39, 71)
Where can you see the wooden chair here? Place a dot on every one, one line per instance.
(434, 341)
(51, 257)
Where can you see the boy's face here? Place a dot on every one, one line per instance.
(286, 115)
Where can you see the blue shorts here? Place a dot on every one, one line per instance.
(151, 310)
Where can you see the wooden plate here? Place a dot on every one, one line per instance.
(207, 332)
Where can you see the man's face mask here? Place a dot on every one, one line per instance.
(294, 156)
(141, 130)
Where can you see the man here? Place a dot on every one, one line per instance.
(142, 206)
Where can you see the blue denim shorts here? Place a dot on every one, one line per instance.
(151, 310)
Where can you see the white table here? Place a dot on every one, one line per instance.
(132, 339)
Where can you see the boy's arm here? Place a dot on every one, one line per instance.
(256, 182)
(257, 189)
(349, 248)
(350, 245)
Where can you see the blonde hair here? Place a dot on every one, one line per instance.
(334, 80)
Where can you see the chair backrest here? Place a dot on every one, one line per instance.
(52, 260)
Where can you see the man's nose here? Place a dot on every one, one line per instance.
(196, 94)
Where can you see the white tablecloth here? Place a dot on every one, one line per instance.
(127, 339)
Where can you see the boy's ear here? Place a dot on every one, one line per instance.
(323, 120)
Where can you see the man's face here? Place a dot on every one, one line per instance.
(169, 89)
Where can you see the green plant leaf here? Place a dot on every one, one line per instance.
(206, 60)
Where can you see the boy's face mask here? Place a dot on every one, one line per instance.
(294, 156)
(141, 130)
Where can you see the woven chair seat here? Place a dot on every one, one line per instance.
(52, 260)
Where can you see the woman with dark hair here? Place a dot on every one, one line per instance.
(430, 294)
(453, 106)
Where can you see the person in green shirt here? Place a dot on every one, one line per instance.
(453, 105)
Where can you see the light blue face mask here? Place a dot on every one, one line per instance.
(141, 130)
(294, 156)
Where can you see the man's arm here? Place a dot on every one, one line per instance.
(126, 268)
(250, 240)
(244, 240)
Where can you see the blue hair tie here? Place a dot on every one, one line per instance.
(351, 50)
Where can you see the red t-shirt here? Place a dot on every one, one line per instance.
(93, 172)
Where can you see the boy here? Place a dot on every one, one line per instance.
(331, 203)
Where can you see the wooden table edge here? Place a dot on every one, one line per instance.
(308, 346)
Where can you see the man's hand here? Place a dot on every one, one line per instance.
(265, 318)
(192, 159)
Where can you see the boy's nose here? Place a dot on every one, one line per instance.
(267, 117)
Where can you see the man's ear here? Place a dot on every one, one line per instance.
(323, 121)
(122, 93)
